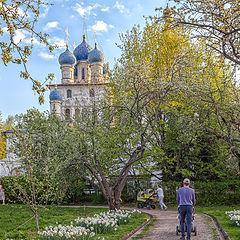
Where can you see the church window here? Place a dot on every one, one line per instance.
(83, 74)
(69, 93)
(75, 72)
(91, 92)
(77, 112)
(67, 113)
(16, 172)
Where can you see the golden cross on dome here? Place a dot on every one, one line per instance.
(95, 37)
(74, 45)
(55, 82)
(83, 25)
(67, 36)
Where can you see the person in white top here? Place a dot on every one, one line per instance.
(2, 195)
(161, 196)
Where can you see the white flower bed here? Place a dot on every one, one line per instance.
(67, 232)
(86, 228)
(105, 222)
(234, 217)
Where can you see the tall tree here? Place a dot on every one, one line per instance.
(41, 146)
(142, 87)
(217, 21)
(4, 126)
(204, 79)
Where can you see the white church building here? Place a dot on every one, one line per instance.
(83, 78)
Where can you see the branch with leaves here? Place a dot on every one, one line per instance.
(17, 17)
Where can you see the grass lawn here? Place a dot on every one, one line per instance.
(219, 212)
(125, 228)
(146, 229)
(13, 216)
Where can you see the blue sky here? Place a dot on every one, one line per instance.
(108, 17)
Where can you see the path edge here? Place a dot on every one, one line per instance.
(139, 227)
(221, 230)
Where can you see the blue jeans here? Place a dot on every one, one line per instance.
(186, 212)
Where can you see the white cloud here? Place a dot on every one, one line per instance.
(12, 11)
(44, 13)
(51, 25)
(101, 26)
(46, 55)
(121, 8)
(5, 29)
(83, 11)
(59, 42)
(32, 40)
(106, 9)
(21, 12)
(19, 36)
(139, 8)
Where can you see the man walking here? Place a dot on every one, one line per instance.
(186, 201)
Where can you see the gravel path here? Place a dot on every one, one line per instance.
(165, 227)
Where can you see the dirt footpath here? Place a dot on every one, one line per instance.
(165, 227)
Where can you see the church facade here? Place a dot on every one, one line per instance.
(83, 79)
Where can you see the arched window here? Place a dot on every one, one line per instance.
(69, 93)
(16, 172)
(83, 74)
(54, 108)
(75, 72)
(77, 112)
(91, 92)
(67, 113)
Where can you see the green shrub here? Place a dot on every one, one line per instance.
(217, 193)
(75, 191)
(11, 191)
(207, 193)
(13, 194)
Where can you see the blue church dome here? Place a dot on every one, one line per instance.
(55, 95)
(81, 51)
(96, 56)
(67, 58)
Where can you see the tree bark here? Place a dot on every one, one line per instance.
(36, 221)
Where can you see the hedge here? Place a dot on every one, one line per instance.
(12, 192)
(207, 193)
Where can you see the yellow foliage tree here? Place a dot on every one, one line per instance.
(4, 126)
(161, 57)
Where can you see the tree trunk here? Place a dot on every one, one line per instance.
(114, 201)
(111, 203)
(118, 200)
(36, 220)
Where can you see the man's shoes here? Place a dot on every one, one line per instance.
(182, 238)
(188, 238)
(165, 209)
